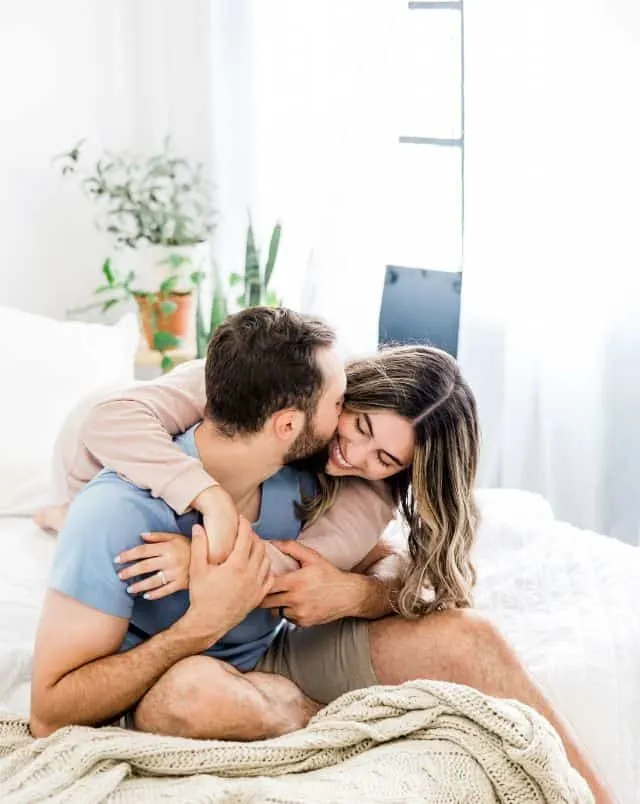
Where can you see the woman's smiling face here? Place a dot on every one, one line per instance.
(370, 444)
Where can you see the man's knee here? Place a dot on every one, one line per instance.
(171, 704)
(473, 643)
(470, 624)
(456, 645)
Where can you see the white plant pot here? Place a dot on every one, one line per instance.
(151, 267)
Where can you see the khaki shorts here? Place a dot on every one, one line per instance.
(324, 661)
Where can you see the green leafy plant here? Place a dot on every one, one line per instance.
(162, 199)
(118, 289)
(158, 303)
(255, 283)
(218, 311)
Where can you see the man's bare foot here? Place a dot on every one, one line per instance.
(52, 518)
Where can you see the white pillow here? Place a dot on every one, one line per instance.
(48, 366)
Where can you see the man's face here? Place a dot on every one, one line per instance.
(319, 431)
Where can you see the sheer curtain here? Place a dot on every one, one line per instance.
(550, 324)
(303, 107)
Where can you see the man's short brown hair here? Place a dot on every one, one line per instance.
(262, 360)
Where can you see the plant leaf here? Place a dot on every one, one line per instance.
(168, 285)
(168, 307)
(274, 245)
(109, 304)
(255, 294)
(164, 340)
(219, 311)
(174, 261)
(166, 364)
(251, 262)
(271, 299)
(202, 336)
(235, 279)
(106, 270)
(85, 309)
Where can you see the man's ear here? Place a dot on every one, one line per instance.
(287, 424)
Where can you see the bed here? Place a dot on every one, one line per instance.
(566, 598)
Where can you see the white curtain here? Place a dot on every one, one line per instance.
(303, 110)
(550, 325)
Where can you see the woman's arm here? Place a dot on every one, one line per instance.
(131, 431)
(351, 528)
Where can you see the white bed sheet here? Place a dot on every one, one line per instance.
(565, 598)
(25, 557)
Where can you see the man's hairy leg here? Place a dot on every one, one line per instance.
(463, 647)
(205, 698)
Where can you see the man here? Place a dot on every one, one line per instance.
(275, 383)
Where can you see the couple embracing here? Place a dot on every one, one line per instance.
(220, 572)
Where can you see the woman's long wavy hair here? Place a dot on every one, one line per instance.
(436, 492)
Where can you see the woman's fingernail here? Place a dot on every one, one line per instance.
(146, 596)
(120, 574)
(130, 590)
(117, 560)
(146, 533)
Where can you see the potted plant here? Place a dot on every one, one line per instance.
(255, 283)
(159, 215)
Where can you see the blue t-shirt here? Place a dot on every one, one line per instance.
(109, 516)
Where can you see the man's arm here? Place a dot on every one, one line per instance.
(369, 597)
(79, 679)
(320, 593)
(381, 572)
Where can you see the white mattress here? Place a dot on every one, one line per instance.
(566, 599)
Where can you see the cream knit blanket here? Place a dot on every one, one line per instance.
(422, 741)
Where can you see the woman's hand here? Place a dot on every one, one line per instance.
(164, 559)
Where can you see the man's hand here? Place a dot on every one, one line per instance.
(223, 594)
(318, 592)
(220, 520)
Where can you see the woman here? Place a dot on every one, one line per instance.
(407, 438)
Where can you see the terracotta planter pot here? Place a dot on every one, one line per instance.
(177, 323)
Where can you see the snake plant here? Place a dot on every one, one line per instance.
(255, 288)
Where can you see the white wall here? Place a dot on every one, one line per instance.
(124, 74)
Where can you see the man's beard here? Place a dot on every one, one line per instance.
(306, 444)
